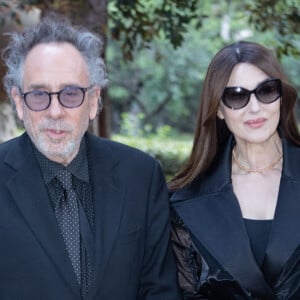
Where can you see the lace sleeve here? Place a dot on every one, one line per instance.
(189, 262)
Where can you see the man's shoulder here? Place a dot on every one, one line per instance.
(117, 149)
(14, 153)
(11, 144)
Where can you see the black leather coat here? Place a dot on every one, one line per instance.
(209, 238)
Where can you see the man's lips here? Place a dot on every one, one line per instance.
(55, 132)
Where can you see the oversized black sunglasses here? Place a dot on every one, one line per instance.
(267, 91)
(69, 97)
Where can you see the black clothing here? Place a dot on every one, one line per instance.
(133, 258)
(214, 255)
(79, 168)
(258, 232)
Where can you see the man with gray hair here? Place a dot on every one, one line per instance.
(81, 217)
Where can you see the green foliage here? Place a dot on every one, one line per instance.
(167, 45)
(137, 23)
(171, 152)
(164, 83)
(143, 20)
(164, 143)
(131, 124)
(283, 18)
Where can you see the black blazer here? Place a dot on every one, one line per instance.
(209, 213)
(132, 254)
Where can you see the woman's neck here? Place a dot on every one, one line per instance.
(258, 158)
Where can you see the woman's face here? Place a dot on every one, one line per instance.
(256, 122)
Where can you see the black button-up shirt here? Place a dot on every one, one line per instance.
(79, 168)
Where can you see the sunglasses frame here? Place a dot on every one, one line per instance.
(254, 91)
(49, 94)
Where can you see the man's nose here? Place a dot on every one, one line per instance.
(55, 109)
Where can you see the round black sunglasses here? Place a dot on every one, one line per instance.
(69, 97)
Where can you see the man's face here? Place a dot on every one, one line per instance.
(56, 131)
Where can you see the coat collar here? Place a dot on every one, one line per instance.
(109, 193)
(210, 210)
(29, 192)
(219, 176)
(213, 181)
(283, 240)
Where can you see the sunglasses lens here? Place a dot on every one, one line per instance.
(266, 92)
(71, 97)
(235, 97)
(37, 100)
(269, 91)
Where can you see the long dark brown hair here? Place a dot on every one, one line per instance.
(211, 131)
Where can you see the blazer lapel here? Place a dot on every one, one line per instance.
(216, 222)
(28, 191)
(212, 213)
(109, 193)
(285, 236)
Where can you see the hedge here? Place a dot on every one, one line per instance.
(170, 152)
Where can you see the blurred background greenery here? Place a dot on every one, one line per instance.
(157, 53)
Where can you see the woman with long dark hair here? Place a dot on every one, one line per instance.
(236, 203)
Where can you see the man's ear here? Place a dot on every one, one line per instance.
(17, 98)
(94, 101)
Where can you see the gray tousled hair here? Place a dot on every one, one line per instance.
(53, 29)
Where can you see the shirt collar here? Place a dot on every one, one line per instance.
(78, 166)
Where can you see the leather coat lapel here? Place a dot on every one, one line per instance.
(285, 234)
(29, 192)
(212, 214)
(109, 194)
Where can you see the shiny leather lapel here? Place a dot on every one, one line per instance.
(109, 194)
(29, 193)
(285, 234)
(212, 214)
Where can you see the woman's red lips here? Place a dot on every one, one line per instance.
(256, 123)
